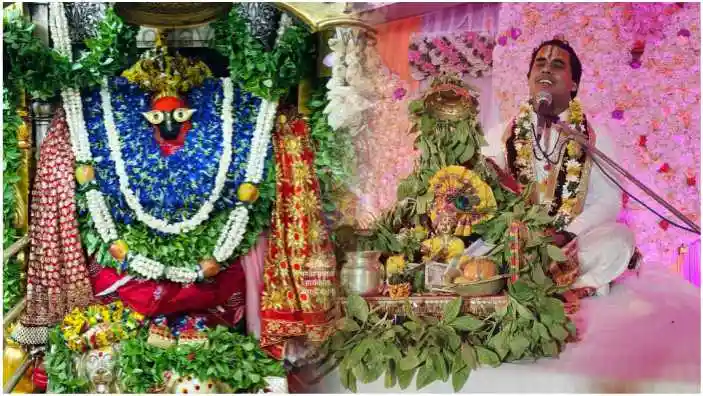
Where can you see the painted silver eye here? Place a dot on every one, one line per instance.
(182, 114)
(155, 117)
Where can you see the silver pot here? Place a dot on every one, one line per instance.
(362, 274)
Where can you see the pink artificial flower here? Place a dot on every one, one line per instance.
(427, 67)
(438, 42)
(399, 93)
(414, 56)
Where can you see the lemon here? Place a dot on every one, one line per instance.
(84, 174)
(248, 193)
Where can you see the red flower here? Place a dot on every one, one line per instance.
(664, 168)
(643, 141)
(625, 199)
(303, 297)
(664, 224)
(296, 267)
(191, 356)
(290, 295)
(691, 180)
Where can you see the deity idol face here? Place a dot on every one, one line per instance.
(170, 117)
(551, 72)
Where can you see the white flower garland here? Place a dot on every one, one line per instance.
(232, 233)
(259, 143)
(133, 201)
(523, 125)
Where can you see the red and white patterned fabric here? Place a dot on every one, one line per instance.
(300, 269)
(57, 275)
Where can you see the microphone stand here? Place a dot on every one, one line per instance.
(574, 135)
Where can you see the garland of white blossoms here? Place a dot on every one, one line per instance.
(231, 234)
(523, 147)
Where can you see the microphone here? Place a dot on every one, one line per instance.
(544, 103)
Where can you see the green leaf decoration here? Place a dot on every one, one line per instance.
(556, 253)
(541, 331)
(558, 332)
(390, 379)
(459, 379)
(467, 323)
(350, 325)
(469, 355)
(268, 74)
(409, 362)
(358, 308)
(425, 376)
(550, 348)
(43, 72)
(487, 357)
(518, 345)
(405, 378)
(451, 310)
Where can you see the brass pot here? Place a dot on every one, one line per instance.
(362, 274)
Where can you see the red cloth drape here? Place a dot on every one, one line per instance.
(300, 269)
(57, 274)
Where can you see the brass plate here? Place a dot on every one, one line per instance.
(171, 15)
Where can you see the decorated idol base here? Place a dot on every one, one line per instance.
(111, 349)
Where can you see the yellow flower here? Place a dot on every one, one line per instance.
(568, 205)
(575, 112)
(574, 149)
(525, 151)
(525, 107)
(420, 232)
(395, 264)
(576, 172)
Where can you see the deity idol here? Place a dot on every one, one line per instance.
(169, 167)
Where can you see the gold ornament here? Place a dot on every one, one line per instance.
(452, 182)
(165, 74)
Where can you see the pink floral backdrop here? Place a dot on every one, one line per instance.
(653, 103)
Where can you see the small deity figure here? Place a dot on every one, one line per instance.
(100, 366)
(444, 246)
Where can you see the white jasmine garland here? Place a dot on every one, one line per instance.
(146, 267)
(259, 144)
(132, 200)
(101, 216)
(232, 233)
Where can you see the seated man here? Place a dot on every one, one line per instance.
(584, 201)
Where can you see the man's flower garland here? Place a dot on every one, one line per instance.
(571, 166)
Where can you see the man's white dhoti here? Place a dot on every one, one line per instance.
(604, 246)
(604, 253)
